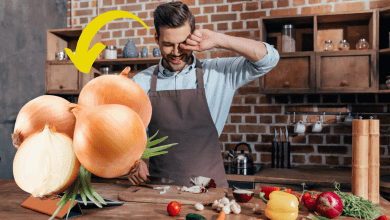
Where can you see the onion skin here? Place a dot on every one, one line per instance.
(113, 89)
(45, 109)
(329, 204)
(108, 139)
(19, 164)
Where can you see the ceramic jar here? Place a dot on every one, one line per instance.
(130, 50)
(156, 52)
(144, 53)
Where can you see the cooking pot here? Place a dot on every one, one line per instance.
(242, 163)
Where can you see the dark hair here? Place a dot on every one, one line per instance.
(173, 14)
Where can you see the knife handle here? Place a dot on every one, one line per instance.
(273, 154)
(277, 155)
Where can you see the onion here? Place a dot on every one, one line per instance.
(329, 204)
(113, 89)
(46, 109)
(45, 163)
(108, 139)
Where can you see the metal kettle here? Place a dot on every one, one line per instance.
(242, 163)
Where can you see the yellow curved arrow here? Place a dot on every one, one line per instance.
(83, 59)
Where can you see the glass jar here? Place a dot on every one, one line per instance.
(288, 38)
(328, 46)
(362, 45)
(343, 45)
(105, 70)
(110, 52)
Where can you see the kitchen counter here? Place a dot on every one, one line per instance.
(12, 197)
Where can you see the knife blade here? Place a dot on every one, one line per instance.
(155, 179)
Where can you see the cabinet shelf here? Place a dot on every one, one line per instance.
(124, 61)
(384, 51)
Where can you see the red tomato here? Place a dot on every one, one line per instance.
(174, 208)
(310, 204)
(307, 196)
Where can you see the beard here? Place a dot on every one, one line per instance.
(177, 63)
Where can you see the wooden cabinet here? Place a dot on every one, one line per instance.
(62, 77)
(384, 48)
(352, 71)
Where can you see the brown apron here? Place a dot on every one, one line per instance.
(184, 116)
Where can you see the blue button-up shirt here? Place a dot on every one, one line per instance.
(221, 76)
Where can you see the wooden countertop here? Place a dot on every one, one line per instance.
(12, 197)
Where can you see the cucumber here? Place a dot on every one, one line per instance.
(193, 216)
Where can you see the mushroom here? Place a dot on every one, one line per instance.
(199, 207)
(226, 209)
(235, 208)
(257, 209)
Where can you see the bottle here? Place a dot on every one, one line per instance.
(362, 45)
(343, 45)
(288, 38)
(328, 46)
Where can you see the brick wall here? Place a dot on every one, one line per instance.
(253, 117)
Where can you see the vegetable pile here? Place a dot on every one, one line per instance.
(60, 143)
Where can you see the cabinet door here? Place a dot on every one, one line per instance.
(346, 71)
(62, 79)
(295, 73)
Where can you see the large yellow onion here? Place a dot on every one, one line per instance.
(108, 139)
(45, 109)
(114, 89)
(45, 163)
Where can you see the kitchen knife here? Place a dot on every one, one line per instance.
(277, 151)
(159, 180)
(287, 149)
(281, 148)
(274, 143)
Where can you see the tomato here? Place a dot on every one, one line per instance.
(308, 196)
(174, 208)
(310, 204)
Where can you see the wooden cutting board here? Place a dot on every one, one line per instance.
(149, 195)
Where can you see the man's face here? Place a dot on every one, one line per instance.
(169, 42)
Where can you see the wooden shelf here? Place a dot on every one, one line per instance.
(119, 61)
(384, 51)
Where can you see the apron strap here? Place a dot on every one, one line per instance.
(199, 76)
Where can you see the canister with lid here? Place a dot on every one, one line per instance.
(110, 52)
(328, 46)
(288, 38)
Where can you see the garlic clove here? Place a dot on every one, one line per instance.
(199, 207)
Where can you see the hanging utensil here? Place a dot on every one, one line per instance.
(274, 143)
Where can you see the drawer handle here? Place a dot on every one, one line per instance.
(343, 83)
(286, 84)
(61, 86)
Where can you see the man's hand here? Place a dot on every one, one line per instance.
(201, 40)
(140, 175)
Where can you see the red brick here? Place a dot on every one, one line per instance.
(302, 149)
(332, 160)
(256, 34)
(252, 15)
(298, 159)
(282, 3)
(119, 2)
(251, 129)
(324, 149)
(83, 20)
(327, 1)
(244, 34)
(281, 119)
(107, 2)
(132, 8)
(263, 147)
(129, 33)
(222, 8)
(201, 19)
(237, 7)
(316, 9)
(153, 5)
(84, 4)
(265, 138)
(195, 11)
(203, 2)
(131, 1)
(279, 12)
(268, 109)
(223, 138)
(315, 159)
(298, 2)
(265, 99)
(267, 4)
(300, 139)
(209, 9)
(222, 53)
(119, 25)
(252, 137)
(222, 26)
(142, 15)
(252, 24)
(379, 4)
(83, 12)
(316, 139)
(250, 119)
(314, 1)
(117, 34)
(209, 27)
(106, 35)
(240, 109)
(250, 100)
(230, 1)
(109, 42)
(94, 4)
(238, 25)
(223, 17)
(189, 2)
(251, 6)
(237, 100)
(123, 42)
(356, 6)
(265, 157)
(104, 10)
(265, 119)
(236, 137)
(229, 129)
(137, 24)
(235, 119)
(333, 139)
